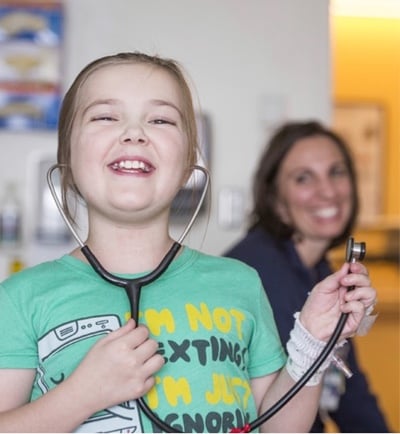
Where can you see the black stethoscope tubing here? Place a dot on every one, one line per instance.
(134, 286)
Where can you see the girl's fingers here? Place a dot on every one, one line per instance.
(365, 295)
(358, 268)
(122, 331)
(146, 350)
(354, 279)
(355, 307)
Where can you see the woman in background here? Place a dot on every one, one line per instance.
(306, 203)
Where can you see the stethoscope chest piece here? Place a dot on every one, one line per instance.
(355, 251)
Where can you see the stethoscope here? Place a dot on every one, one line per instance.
(354, 252)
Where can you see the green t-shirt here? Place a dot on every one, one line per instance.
(209, 314)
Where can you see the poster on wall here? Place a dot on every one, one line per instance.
(362, 126)
(30, 64)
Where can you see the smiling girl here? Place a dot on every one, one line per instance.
(205, 353)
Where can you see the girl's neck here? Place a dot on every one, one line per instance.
(127, 249)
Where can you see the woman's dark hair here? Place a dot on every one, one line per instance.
(264, 211)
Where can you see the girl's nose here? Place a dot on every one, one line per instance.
(134, 135)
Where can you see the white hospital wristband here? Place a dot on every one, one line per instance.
(303, 349)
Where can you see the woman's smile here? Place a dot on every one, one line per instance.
(314, 189)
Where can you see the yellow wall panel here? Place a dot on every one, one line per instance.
(366, 68)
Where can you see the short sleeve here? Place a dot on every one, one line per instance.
(18, 347)
(266, 353)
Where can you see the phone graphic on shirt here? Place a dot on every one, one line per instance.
(66, 334)
(122, 418)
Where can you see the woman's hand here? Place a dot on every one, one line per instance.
(331, 297)
(118, 368)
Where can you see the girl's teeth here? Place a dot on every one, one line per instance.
(129, 164)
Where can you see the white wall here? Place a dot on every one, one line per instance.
(251, 61)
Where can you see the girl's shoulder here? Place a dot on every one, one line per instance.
(226, 266)
(45, 271)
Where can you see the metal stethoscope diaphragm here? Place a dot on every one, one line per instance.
(355, 251)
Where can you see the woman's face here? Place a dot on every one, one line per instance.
(315, 194)
(128, 147)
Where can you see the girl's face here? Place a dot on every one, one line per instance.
(314, 189)
(129, 150)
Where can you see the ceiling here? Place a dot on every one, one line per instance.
(366, 8)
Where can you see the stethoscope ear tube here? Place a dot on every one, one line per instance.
(78, 239)
(57, 201)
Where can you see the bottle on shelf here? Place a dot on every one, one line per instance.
(16, 264)
(10, 216)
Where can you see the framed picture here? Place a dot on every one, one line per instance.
(363, 128)
(30, 64)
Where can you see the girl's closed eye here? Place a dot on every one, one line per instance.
(164, 114)
(107, 118)
(161, 121)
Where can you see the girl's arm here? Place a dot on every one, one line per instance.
(318, 319)
(61, 409)
(118, 368)
(297, 415)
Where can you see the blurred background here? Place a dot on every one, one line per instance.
(253, 65)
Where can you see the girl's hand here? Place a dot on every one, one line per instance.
(330, 298)
(118, 368)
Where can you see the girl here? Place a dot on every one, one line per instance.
(206, 354)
